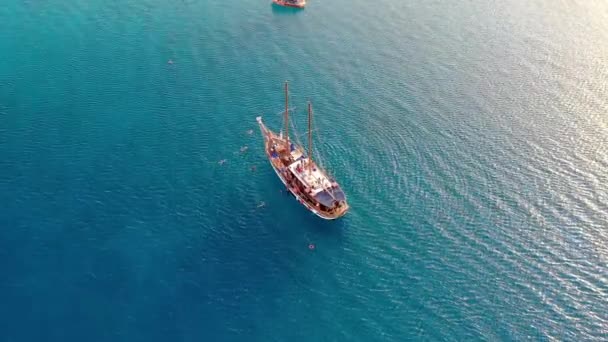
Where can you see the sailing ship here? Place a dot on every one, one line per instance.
(290, 3)
(307, 181)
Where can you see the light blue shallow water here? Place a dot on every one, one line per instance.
(471, 139)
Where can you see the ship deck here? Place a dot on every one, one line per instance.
(314, 178)
(292, 161)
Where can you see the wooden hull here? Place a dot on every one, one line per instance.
(283, 3)
(327, 215)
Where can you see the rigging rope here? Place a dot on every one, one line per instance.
(295, 132)
(320, 162)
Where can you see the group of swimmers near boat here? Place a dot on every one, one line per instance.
(253, 168)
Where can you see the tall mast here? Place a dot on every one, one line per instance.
(309, 136)
(287, 116)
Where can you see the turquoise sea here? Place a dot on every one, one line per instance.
(471, 138)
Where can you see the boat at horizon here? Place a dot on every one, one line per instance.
(307, 181)
(290, 3)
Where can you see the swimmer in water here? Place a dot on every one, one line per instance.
(221, 162)
(253, 168)
(262, 204)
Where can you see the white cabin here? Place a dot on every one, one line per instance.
(316, 180)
